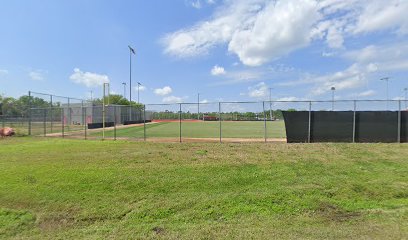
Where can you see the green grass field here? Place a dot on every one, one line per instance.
(75, 189)
(238, 129)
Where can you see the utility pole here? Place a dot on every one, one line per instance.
(138, 85)
(270, 104)
(124, 90)
(386, 79)
(131, 51)
(333, 89)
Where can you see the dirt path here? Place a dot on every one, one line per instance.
(72, 133)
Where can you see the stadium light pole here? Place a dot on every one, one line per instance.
(124, 90)
(333, 89)
(131, 51)
(386, 79)
(91, 96)
(270, 104)
(138, 86)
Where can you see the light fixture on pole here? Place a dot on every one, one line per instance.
(124, 90)
(333, 89)
(270, 104)
(138, 85)
(386, 79)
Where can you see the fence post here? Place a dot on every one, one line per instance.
(51, 115)
(84, 121)
(29, 113)
(45, 121)
(309, 131)
(264, 117)
(219, 119)
(180, 122)
(62, 122)
(69, 115)
(354, 120)
(144, 122)
(399, 122)
(114, 122)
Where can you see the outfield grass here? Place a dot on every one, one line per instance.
(237, 129)
(56, 188)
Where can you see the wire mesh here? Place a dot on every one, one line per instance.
(55, 116)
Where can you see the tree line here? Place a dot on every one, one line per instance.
(19, 107)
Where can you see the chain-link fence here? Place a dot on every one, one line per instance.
(41, 114)
(192, 122)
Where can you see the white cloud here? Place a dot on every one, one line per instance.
(383, 57)
(163, 91)
(288, 99)
(241, 76)
(172, 99)
(367, 93)
(368, 62)
(88, 79)
(255, 30)
(37, 75)
(258, 91)
(141, 88)
(350, 78)
(328, 54)
(217, 70)
(383, 14)
(196, 4)
(274, 31)
(259, 31)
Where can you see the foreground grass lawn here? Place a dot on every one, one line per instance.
(94, 190)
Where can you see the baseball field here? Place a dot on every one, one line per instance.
(201, 129)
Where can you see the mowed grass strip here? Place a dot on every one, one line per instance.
(230, 129)
(105, 189)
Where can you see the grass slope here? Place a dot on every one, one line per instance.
(239, 129)
(104, 189)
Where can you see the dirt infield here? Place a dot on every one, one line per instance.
(81, 132)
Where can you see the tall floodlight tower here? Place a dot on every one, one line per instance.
(386, 79)
(124, 90)
(138, 88)
(333, 89)
(131, 51)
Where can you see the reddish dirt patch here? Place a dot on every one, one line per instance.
(175, 120)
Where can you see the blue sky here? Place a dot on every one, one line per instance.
(231, 50)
